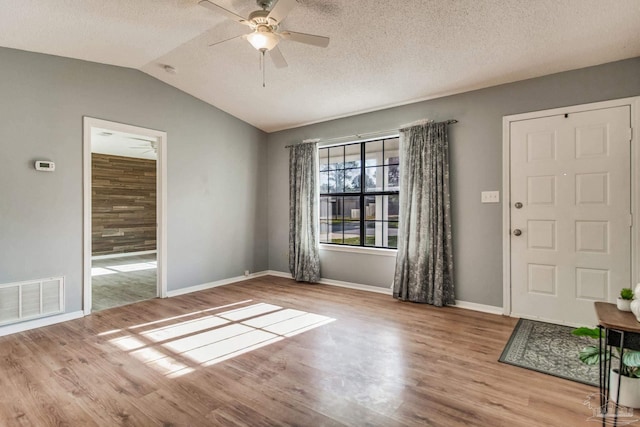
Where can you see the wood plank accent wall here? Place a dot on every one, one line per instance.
(123, 204)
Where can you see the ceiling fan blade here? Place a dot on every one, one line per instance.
(233, 16)
(277, 58)
(319, 41)
(226, 40)
(139, 139)
(280, 11)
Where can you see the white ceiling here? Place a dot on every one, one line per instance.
(108, 141)
(382, 53)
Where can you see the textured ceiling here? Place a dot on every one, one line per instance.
(109, 141)
(382, 53)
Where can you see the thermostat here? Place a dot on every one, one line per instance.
(45, 165)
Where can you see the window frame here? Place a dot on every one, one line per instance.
(362, 195)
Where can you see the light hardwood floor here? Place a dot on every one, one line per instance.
(364, 359)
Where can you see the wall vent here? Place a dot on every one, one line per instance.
(31, 300)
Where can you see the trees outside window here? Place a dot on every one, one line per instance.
(359, 185)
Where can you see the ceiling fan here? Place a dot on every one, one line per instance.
(265, 26)
(151, 147)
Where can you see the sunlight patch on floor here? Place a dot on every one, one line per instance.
(247, 312)
(123, 268)
(127, 343)
(238, 344)
(194, 341)
(184, 328)
(111, 332)
(272, 318)
(182, 347)
(127, 268)
(161, 362)
(299, 324)
(170, 367)
(194, 313)
(148, 354)
(100, 271)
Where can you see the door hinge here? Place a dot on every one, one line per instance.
(630, 134)
(630, 220)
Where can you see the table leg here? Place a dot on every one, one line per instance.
(600, 368)
(615, 420)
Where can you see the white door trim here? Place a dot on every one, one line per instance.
(634, 103)
(161, 202)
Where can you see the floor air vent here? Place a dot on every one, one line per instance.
(31, 300)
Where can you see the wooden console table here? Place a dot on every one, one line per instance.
(621, 330)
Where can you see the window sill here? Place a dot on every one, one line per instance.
(359, 250)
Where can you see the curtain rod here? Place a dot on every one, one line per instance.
(360, 135)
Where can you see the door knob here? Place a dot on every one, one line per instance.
(517, 232)
(518, 205)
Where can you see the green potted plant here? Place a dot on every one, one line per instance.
(630, 370)
(624, 300)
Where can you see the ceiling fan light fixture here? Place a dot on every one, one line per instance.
(263, 40)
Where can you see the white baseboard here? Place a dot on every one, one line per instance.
(277, 274)
(357, 286)
(215, 284)
(39, 323)
(387, 291)
(124, 255)
(339, 283)
(492, 309)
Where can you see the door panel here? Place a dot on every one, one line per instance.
(572, 176)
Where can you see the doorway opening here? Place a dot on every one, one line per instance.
(124, 205)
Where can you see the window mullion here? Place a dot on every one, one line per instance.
(342, 209)
(363, 231)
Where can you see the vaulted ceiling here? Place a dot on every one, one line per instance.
(382, 53)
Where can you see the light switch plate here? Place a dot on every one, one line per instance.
(490, 197)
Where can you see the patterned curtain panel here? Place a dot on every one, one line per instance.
(424, 263)
(304, 250)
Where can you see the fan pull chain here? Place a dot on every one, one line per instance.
(263, 67)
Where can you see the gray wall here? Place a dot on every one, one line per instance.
(476, 165)
(220, 206)
(216, 173)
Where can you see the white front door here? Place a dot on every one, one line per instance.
(570, 213)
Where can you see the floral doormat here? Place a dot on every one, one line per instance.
(550, 349)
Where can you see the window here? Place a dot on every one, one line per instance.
(359, 185)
